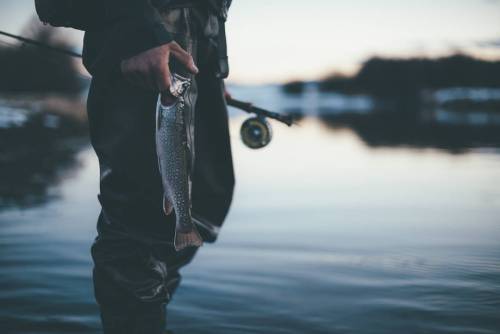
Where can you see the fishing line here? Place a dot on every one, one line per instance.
(48, 57)
(42, 45)
(255, 132)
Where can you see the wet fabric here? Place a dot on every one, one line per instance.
(136, 267)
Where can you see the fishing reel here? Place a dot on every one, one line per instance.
(256, 132)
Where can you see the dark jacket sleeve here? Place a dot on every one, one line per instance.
(137, 26)
(129, 27)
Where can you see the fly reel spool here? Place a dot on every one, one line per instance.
(256, 132)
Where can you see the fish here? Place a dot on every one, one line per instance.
(173, 160)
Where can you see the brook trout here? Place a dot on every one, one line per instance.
(173, 160)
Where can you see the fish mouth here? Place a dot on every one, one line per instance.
(167, 101)
(179, 85)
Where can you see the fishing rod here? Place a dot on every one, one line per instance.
(42, 45)
(250, 108)
(255, 132)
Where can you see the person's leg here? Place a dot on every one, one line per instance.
(134, 277)
(129, 283)
(134, 280)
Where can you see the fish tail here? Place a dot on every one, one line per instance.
(187, 239)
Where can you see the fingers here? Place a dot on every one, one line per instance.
(163, 79)
(145, 78)
(167, 99)
(163, 82)
(150, 69)
(184, 57)
(138, 74)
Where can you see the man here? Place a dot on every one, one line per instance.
(131, 48)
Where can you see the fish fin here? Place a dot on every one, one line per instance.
(167, 206)
(187, 239)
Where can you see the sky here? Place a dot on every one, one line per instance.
(281, 40)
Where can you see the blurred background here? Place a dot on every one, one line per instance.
(378, 213)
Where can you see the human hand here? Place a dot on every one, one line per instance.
(150, 69)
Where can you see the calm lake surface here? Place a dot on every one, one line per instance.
(326, 235)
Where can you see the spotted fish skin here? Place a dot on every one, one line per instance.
(173, 155)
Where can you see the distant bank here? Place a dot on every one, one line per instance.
(392, 78)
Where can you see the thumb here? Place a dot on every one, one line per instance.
(184, 57)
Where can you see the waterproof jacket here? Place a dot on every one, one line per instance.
(121, 116)
(119, 29)
(122, 122)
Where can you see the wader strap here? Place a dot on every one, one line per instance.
(223, 64)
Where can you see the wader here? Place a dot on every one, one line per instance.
(136, 267)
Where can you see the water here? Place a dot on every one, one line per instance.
(326, 235)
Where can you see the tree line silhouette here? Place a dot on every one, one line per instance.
(386, 77)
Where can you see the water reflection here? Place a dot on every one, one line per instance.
(455, 119)
(326, 234)
(36, 155)
(388, 129)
